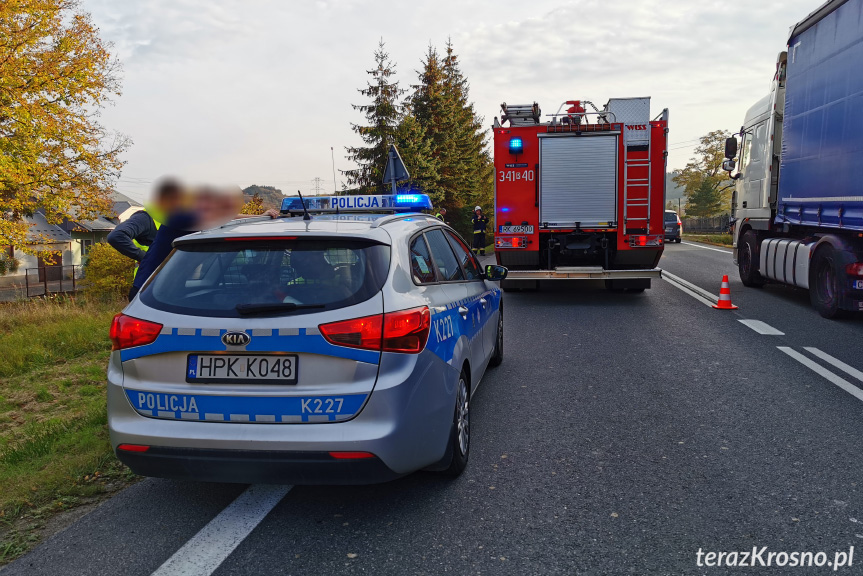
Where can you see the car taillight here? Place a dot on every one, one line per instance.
(127, 332)
(362, 332)
(133, 448)
(854, 269)
(351, 455)
(407, 330)
(404, 331)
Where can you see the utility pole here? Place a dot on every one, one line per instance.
(317, 188)
(333, 156)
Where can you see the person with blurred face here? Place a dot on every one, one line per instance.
(198, 209)
(133, 237)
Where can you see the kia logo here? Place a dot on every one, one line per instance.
(236, 339)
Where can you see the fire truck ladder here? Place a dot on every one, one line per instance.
(636, 190)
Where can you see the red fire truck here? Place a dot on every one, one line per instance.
(580, 196)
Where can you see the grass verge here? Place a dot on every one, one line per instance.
(715, 239)
(54, 449)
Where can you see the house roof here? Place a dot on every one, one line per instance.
(123, 202)
(41, 231)
(101, 223)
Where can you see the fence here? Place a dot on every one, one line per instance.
(712, 225)
(51, 280)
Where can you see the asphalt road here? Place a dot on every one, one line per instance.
(622, 434)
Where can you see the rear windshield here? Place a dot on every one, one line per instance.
(231, 279)
(670, 217)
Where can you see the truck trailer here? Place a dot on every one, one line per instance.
(798, 198)
(580, 195)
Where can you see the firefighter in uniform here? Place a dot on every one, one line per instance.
(479, 223)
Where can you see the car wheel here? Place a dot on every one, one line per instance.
(679, 240)
(497, 355)
(747, 256)
(460, 435)
(824, 283)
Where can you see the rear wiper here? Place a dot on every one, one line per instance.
(249, 309)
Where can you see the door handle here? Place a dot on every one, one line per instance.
(484, 302)
(463, 311)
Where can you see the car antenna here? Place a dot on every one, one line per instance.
(303, 202)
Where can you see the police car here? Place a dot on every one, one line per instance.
(332, 345)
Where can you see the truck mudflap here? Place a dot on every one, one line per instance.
(583, 273)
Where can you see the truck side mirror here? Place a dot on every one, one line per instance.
(730, 147)
(728, 165)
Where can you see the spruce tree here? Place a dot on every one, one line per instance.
(383, 116)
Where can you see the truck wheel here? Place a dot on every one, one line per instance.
(825, 283)
(746, 260)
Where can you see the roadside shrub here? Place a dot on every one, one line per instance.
(8, 265)
(107, 273)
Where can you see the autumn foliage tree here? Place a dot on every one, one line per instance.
(703, 178)
(55, 77)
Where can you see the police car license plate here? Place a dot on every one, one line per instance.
(226, 368)
(515, 229)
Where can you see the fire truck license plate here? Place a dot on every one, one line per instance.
(515, 229)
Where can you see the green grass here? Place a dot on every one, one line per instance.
(54, 448)
(715, 239)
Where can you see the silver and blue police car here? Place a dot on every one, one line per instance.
(333, 345)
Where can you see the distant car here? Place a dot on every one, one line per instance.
(673, 227)
(343, 349)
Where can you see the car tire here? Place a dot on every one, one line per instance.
(679, 240)
(460, 434)
(746, 258)
(497, 354)
(825, 283)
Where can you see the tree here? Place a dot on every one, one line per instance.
(440, 102)
(383, 117)
(55, 77)
(253, 205)
(703, 178)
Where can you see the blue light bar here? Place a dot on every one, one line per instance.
(516, 146)
(358, 203)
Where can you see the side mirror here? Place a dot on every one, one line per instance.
(495, 273)
(731, 147)
(728, 165)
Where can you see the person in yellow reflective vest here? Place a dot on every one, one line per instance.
(133, 237)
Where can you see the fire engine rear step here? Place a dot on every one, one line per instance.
(582, 273)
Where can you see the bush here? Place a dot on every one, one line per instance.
(107, 273)
(8, 265)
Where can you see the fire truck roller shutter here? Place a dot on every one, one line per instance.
(578, 181)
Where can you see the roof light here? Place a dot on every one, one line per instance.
(358, 203)
(516, 146)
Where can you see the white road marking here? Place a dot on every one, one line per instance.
(821, 371)
(708, 248)
(699, 294)
(207, 549)
(762, 327)
(850, 370)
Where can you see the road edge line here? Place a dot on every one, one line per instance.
(823, 372)
(696, 292)
(850, 370)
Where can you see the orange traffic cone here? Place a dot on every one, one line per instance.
(725, 296)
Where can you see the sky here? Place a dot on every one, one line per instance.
(259, 91)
